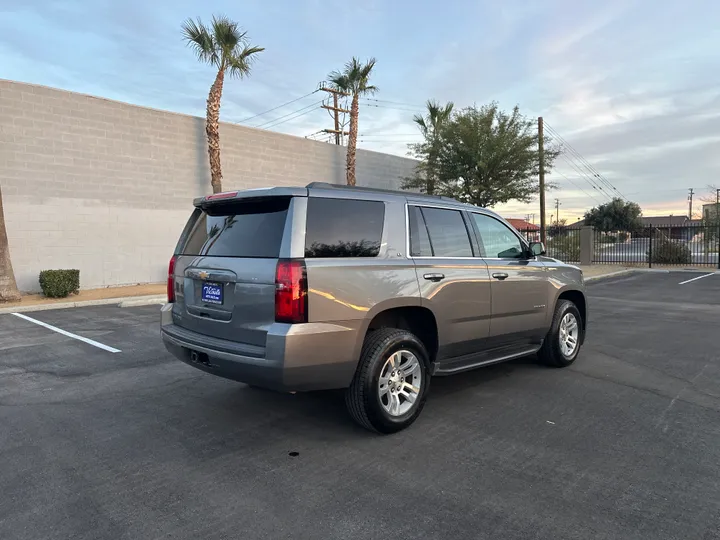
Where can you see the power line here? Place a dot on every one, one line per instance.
(593, 171)
(577, 186)
(278, 107)
(271, 123)
(390, 135)
(584, 176)
(586, 164)
(583, 162)
(380, 106)
(394, 103)
(291, 118)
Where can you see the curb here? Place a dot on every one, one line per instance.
(127, 301)
(649, 271)
(610, 275)
(144, 301)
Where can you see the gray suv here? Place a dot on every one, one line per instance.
(372, 291)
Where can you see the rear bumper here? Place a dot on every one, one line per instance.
(315, 356)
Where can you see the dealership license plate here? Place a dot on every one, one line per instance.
(212, 293)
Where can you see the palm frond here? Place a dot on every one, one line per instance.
(355, 77)
(226, 32)
(200, 40)
(367, 68)
(420, 121)
(240, 62)
(369, 89)
(339, 81)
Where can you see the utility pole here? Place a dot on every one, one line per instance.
(690, 198)
(557, 211)
(541, 155)
(335, 111)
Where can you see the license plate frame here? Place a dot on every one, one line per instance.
(212, 292)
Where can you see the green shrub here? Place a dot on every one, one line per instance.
(666, 251)
(59, 283)
(623, 236)
(564, 248)
(611, 238)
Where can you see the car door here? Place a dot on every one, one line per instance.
(454, 283)
(519, 284)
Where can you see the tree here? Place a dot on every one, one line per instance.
(354, 79)
(558, 228)
(487, 156)
(616, 215)
(224, 46)
(425, 175)
(8, 286)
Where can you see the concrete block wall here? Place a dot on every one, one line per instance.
(106, 187)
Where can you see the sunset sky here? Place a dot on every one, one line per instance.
(632, 85)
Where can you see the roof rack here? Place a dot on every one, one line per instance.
(328, 185)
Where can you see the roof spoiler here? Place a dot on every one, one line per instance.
(255, 193)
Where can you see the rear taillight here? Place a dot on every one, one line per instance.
(291, 292)
(171, 279)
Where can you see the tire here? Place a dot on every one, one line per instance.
(552, 352)
(366, 401)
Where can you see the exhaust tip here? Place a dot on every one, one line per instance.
(200, 358)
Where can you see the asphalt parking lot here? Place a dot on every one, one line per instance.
(136, 445)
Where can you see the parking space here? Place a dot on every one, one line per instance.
(624, 444)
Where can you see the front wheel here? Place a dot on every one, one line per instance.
(562, 343)
(391, 382)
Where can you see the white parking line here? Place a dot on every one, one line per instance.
(693, 279)
(68, 334)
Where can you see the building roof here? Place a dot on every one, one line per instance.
(665, 221)
(522, 225)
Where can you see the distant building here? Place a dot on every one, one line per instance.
(709, 211)
(522, 225)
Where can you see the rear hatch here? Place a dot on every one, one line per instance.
(225, 267)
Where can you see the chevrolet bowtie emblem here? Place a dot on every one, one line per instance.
(203, 275)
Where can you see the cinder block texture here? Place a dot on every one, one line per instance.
(106, 187)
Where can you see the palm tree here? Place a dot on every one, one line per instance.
(224, 46)
(430, 126)
(8, 287)
(354, 79)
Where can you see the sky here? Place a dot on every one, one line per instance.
(631, 86)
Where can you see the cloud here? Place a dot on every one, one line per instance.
(633, 85)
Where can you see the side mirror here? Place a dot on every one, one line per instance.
(537, 248)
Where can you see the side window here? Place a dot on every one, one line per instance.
(497, 240)
(343, 228)
(447, 232)
(419, 239)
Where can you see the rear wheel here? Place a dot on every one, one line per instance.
(562, 343)
(390, 385)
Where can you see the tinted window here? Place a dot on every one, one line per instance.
(496, 239)
(245, 229)
(343, 228)
(448, 235)
(419, 239)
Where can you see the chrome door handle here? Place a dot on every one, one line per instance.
(500, 275)
(434, 277)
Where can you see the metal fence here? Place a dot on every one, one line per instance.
(688, 245)
(562, 244)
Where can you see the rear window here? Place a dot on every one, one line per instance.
(251, 228)
(343, 228)
(447, 231)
